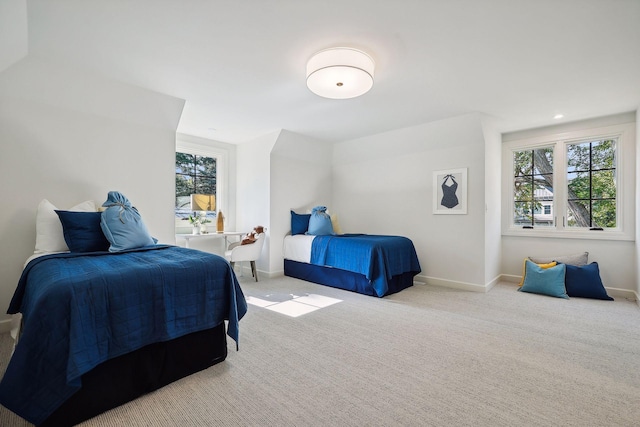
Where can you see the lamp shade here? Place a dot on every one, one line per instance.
(340, 73)
(203, 202)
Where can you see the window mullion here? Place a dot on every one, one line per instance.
(560, 185)
(591, 184)
(533, 189)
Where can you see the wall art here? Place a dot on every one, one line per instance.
(450, 191)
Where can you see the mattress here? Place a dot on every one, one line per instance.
(298, 247)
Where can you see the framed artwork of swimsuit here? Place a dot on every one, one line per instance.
(450, 191)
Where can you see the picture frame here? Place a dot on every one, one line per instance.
(450, 192)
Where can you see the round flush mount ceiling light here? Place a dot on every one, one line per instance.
(340, 73)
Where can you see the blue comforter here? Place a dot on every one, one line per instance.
(378, 258)
(80, 310)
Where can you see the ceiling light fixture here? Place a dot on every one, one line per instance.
(558, 116)
(340, 73)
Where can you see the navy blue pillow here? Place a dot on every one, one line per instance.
(299, 223)
(585, 282)
(82, 231)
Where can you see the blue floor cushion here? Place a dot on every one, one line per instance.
(585, 282)
(544, 281)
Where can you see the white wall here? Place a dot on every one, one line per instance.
(276, 173)
(493, 200)
(69, 136)
(383, 184)
(300, 179)
(253, 198)
(14, 39)
(616, 259)
(637, 248)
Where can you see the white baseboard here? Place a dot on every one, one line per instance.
(613, 292)
(279, 273)
(623, 293)
(243, 269)
(513, 278)
(453, 284)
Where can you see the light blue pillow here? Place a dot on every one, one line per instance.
(545, 281)
(122, 224)
(320, 222)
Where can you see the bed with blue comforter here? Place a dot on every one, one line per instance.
(368, 264)
(82, 311)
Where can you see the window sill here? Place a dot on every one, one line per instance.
(570, 234)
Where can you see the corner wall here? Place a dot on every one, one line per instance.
(276, 173)
(637, 242)
(253, 197)
(493, 203)
(300, 179)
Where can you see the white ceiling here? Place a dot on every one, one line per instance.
(240, 64)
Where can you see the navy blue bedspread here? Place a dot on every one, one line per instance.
(80, 310)
(378, 258)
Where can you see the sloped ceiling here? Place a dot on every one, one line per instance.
(240, 65)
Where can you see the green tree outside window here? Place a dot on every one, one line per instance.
(194, 175)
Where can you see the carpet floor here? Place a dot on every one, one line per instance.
(427, 356)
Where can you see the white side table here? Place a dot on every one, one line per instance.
(224, 235)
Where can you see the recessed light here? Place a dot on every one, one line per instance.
(558, 116)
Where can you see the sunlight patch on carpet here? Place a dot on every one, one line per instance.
(292, 305)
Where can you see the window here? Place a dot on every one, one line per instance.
(532, 184)
(195, 174)
(575, 184)
(201, 165)
(591, 184)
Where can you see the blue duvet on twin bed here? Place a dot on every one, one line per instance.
(80, 310)
(378, 258)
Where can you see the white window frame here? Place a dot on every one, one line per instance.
(625, 184)
(197, 146)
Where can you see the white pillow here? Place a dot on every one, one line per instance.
(49, 235)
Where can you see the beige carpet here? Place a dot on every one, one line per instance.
(427, 356)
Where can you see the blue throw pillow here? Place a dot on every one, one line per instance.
(549, 281)
(320, 222)
(299, 223)
(585, 282)
(122, 224)
(82, 231)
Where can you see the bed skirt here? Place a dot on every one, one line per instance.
(129, 376)
(342, 279)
